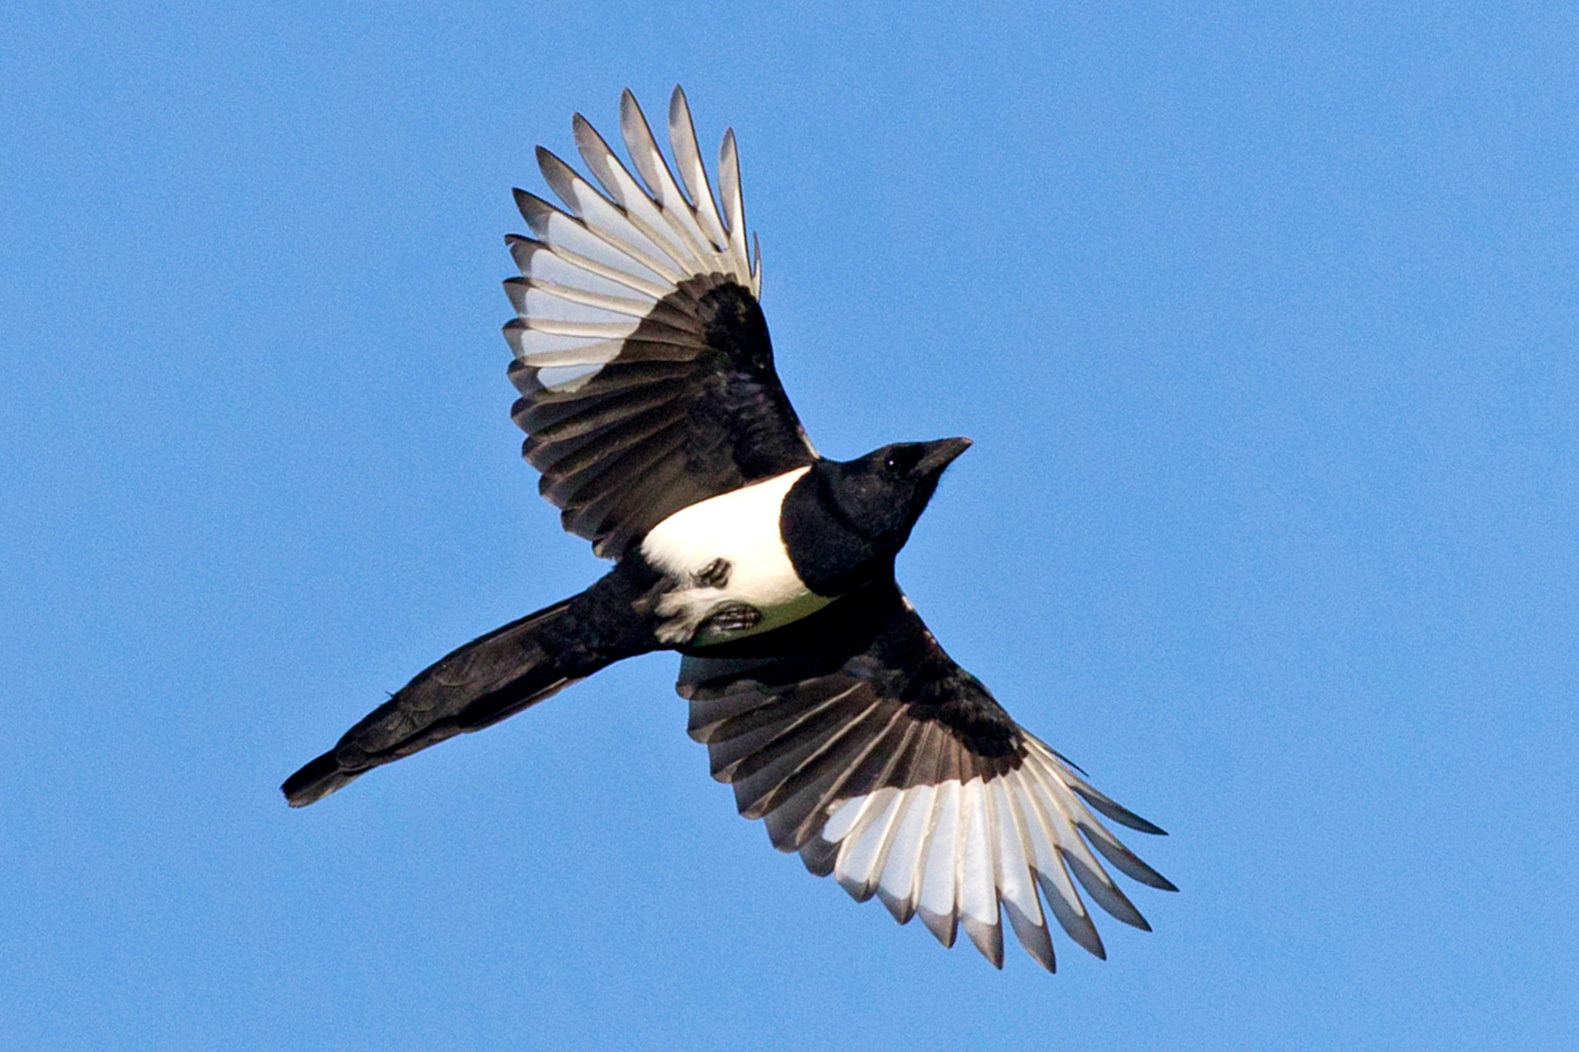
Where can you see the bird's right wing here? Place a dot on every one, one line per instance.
(642, 356)
(869, 751)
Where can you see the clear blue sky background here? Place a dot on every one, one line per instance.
(1264, 318)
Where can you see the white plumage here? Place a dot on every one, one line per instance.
(602, 263)
(742, 529)
(954, 851)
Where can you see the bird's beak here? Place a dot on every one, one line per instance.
(941, 454)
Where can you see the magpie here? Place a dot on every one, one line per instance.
(655, 416)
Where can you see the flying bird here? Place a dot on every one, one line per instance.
(653, 411)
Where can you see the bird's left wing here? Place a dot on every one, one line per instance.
(869, 751)
(642, 356)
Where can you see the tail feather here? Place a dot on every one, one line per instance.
(479, 684)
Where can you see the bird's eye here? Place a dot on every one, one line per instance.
(891, 464)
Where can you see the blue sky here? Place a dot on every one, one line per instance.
(1263, 318)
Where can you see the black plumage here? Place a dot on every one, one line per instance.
(655, 415)
(692, 408)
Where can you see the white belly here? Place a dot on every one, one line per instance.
(742, 529)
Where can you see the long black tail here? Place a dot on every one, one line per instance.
(479, 684)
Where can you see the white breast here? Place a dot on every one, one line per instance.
(741, 528)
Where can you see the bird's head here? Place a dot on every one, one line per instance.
(882, 494)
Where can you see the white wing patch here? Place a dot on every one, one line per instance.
(953, 852)
(603, 263)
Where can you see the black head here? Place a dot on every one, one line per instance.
(882, 494)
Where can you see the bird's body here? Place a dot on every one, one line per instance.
(728, 567)
(653, 410)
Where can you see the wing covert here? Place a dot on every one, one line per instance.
(642, 356)
(868, 750)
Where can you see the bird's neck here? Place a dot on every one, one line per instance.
(828, 553)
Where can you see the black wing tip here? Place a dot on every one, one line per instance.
(552, 166)
(987, 938)
(316, 780)
(629, 104)
(530, 205)
(1140, 825)
(819, 855)
(1117, 812)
